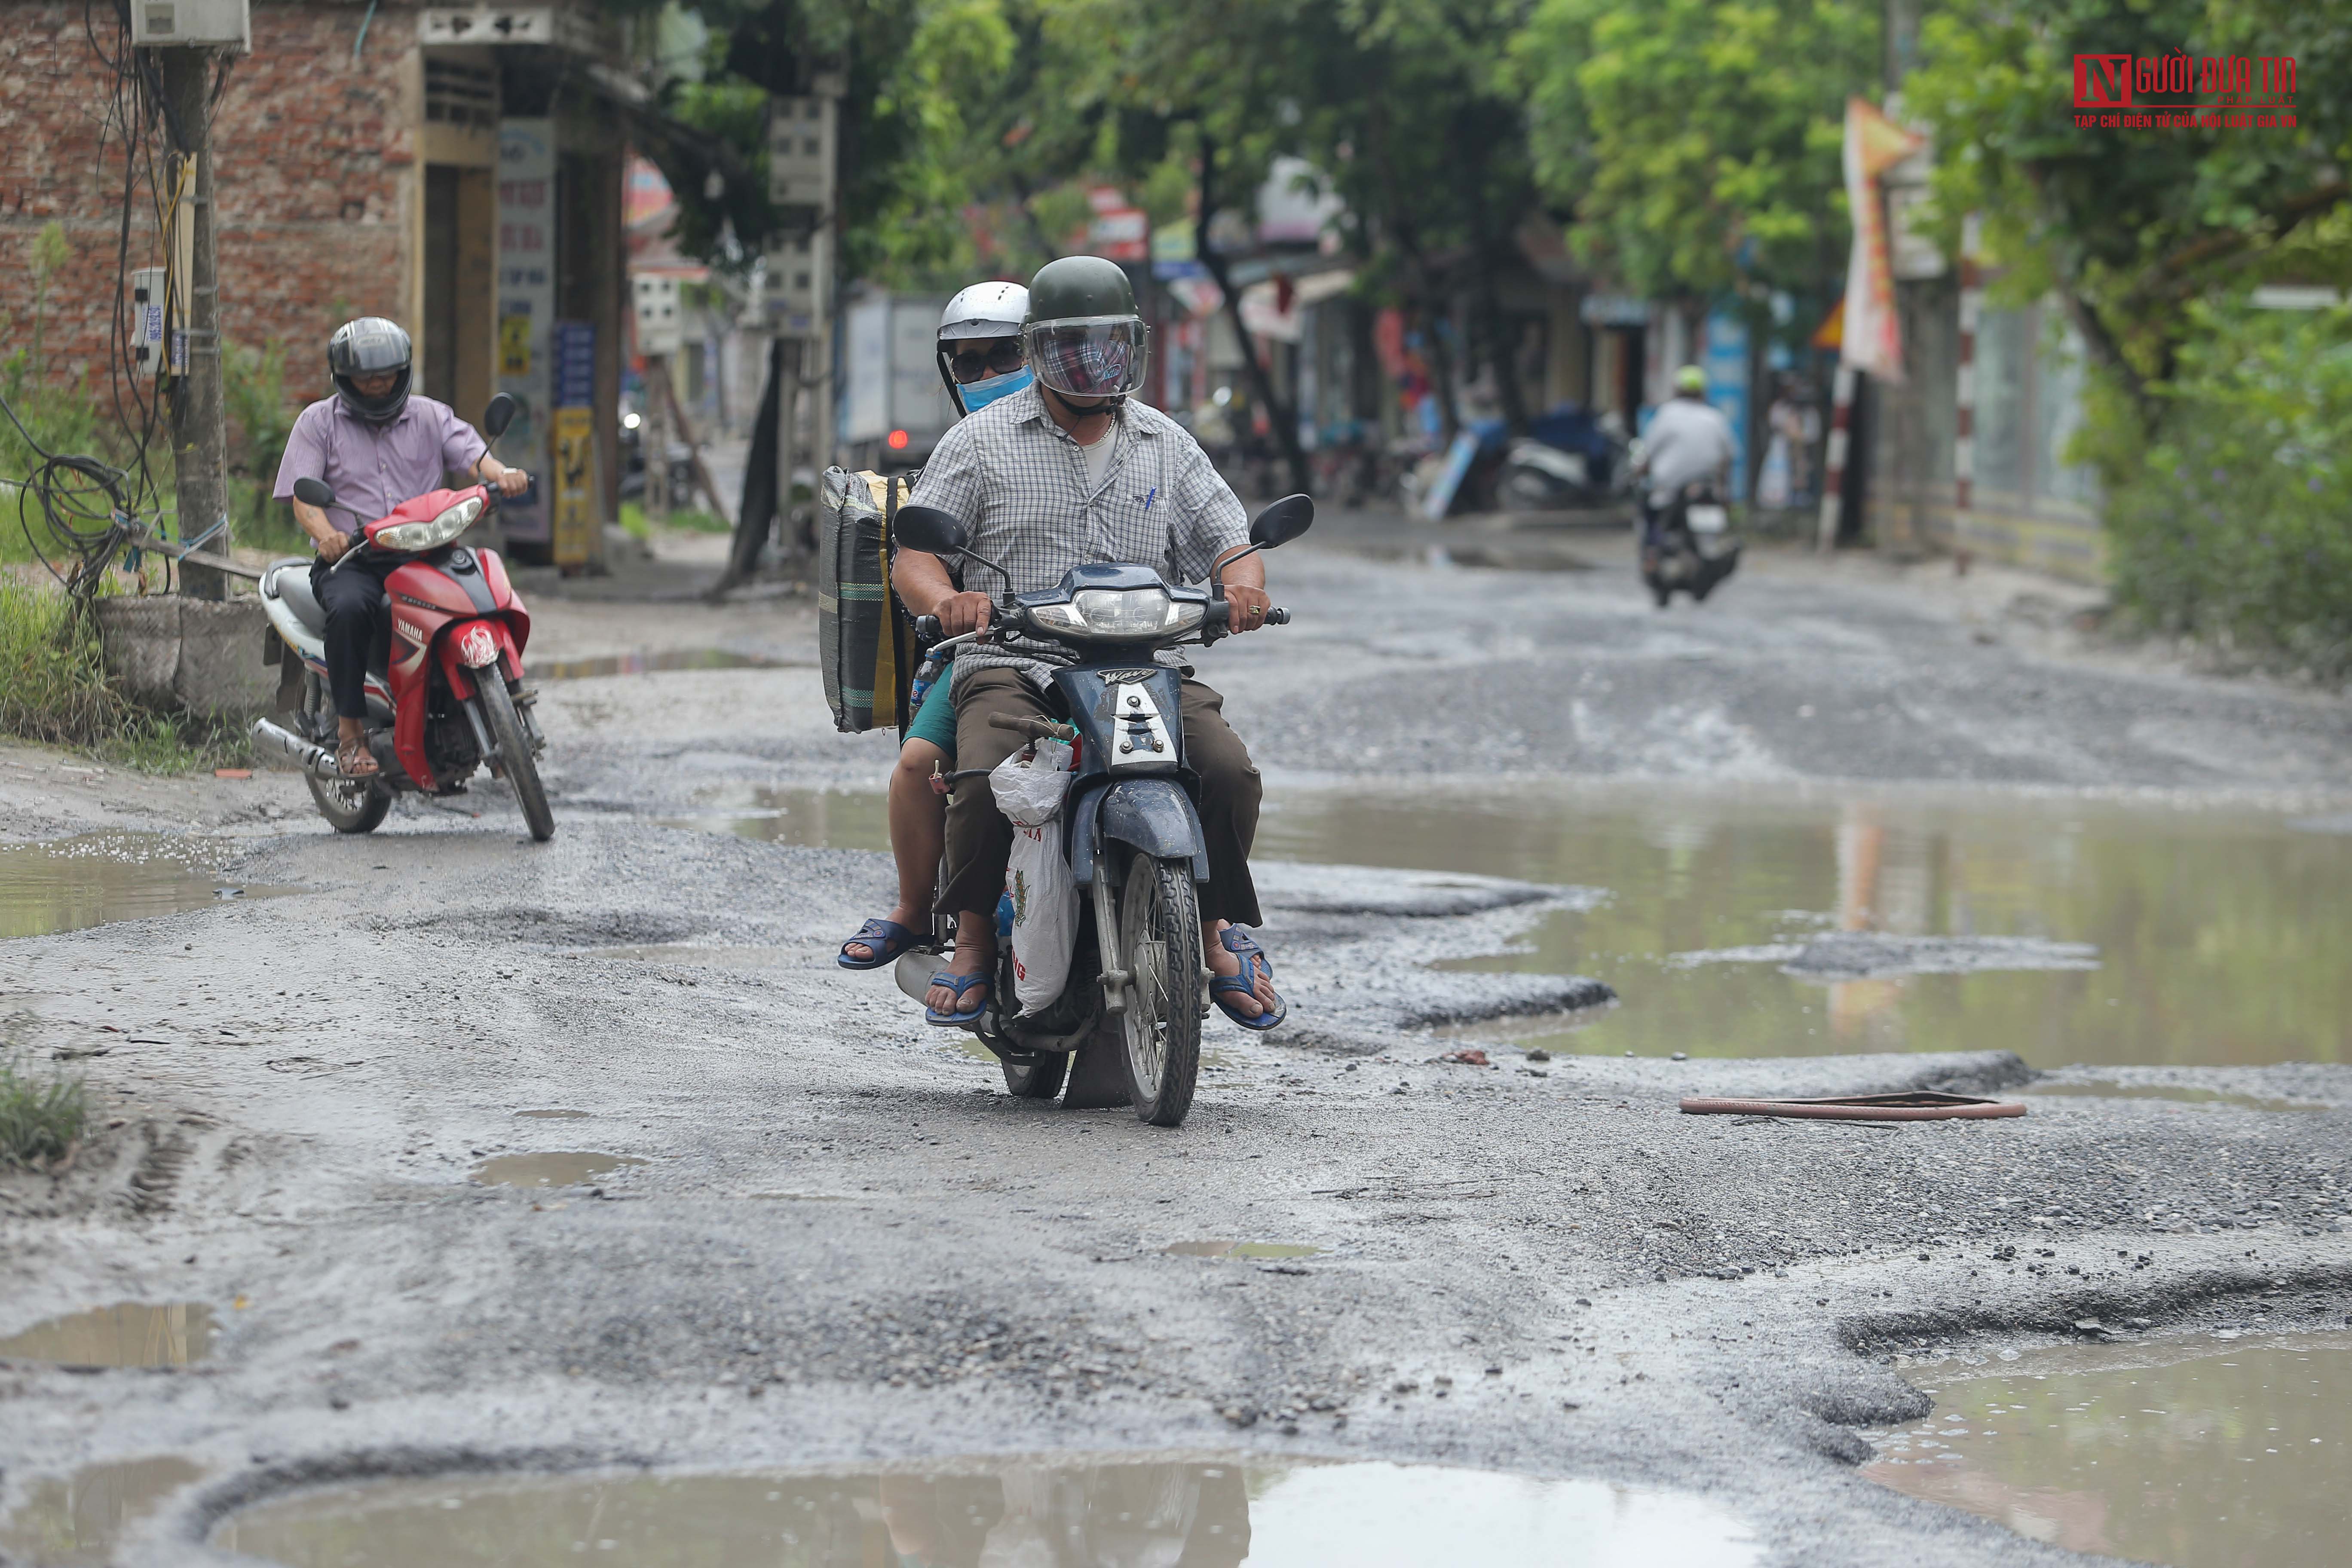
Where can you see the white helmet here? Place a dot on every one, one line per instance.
(985, 310)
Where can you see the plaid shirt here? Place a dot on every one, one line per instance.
(1019, 482)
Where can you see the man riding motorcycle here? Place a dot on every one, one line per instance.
(1060, 473)
(376, 445)
(981, 360)
(1688, 439)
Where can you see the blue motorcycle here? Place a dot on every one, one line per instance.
(1138, 989)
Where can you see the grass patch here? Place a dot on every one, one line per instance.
(42, 1111)
(686, 519)
(53, 689)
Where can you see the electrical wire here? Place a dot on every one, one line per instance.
(82, 512)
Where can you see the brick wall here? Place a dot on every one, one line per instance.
(310, 151)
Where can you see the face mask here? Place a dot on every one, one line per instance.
(980, 393)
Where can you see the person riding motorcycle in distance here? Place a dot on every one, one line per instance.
(1688, 439)
(376, 444)
(981, 360)
(1069, 471)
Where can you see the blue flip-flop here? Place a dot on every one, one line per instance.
(884, 940)
(959, 984)
(1225, 990)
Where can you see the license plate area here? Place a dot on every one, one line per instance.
(1708, 519)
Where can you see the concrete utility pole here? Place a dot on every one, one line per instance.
(199, 426)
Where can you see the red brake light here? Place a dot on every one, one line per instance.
(897, 439)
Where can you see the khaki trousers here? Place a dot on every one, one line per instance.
(980, 841)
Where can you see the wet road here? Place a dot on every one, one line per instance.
(844, 1249)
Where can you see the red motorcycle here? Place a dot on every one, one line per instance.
(445, 689)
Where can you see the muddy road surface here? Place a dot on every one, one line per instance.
(453, 1198)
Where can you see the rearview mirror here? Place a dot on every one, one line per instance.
(498, 416)
(314, 492)
(927, 528)
(1283, 521)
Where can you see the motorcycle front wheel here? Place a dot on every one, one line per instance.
(515, 761)
(1159, 932)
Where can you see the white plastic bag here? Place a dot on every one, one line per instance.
(1029, 791)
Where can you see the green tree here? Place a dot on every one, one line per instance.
(2129, 227)
(1697, 144)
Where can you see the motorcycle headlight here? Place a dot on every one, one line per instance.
(1120, 614)
(433, 534)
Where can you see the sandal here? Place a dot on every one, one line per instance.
(1232, 993)
(884, 941)
(354, 760)
(959, 984)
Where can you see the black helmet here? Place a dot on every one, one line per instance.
(369, 346)
(1084, 334)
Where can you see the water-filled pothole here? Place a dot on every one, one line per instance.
(1201, 1514)
(645, 662)
(555, 1115)
(823, 819)
(2198, 1452)
(2212, 932)
(1227, 1248)
(68, 884)
(129, 1333)
(563, 1168)
(78, 1521)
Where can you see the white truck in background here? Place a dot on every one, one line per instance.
(893, 408)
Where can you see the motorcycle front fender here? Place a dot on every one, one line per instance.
(1153, 814)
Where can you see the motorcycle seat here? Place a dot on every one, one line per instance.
(289, 580)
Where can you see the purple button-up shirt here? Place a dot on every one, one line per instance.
(374, 468)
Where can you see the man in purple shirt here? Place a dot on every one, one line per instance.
(375, 445)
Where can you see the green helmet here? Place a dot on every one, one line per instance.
(1691, 381)
(1084, 334)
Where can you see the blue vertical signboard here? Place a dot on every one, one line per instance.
(1726, 364)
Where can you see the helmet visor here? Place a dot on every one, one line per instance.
(1089, 357)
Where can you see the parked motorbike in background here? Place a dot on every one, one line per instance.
(1131, 838)
(445, 688)
(1687, 544)
(1568, 461)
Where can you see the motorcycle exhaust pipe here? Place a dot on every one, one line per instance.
(314, 760)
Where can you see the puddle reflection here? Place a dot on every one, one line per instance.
(129, 1333)
(2219, 935)
(565, 1168)
(1213, 1514)
(815, 818)
(68, 884)
(77, 1522)
(1239, 1249)
(2197, 1452)
(642, 662)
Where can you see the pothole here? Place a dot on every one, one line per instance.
(817, 819)
(554, 1115)
(645, 662)
(1196, 1513)
(1228, 1248)
(76, 1522)
(129, 1333)
(563, 1168)
(2200, 1451)
(70, 884)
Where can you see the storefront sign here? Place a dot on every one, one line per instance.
(575, 486)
